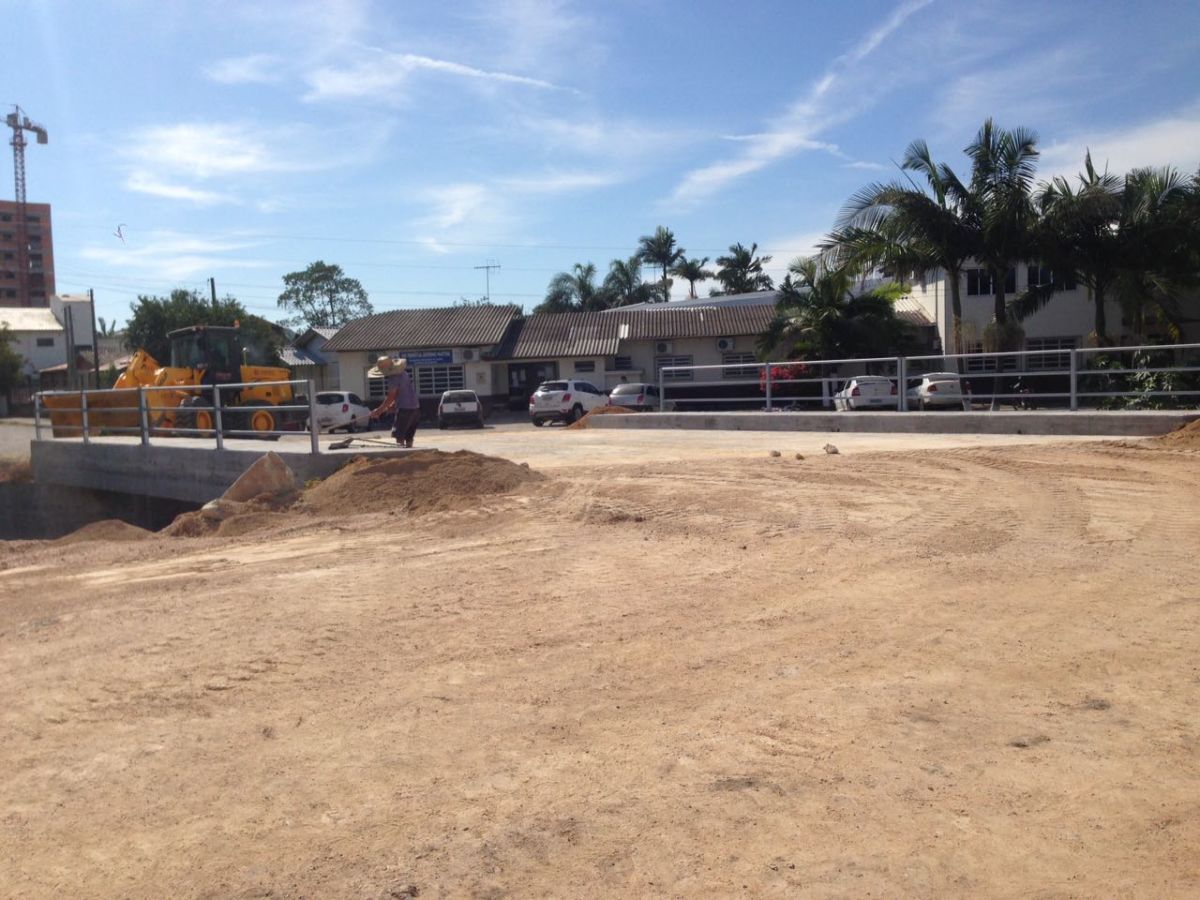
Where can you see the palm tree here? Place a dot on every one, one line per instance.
(691, 271)
(573, 291)
(999, 203)
(624, 285)
(106, 329)
(659, 249)
(819, 316)
(742, 272)
(903, 229)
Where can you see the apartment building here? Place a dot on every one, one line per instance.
(39, 240)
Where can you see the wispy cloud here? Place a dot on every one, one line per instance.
(259, 68)
(1170, 141)
(864, 164)
(169, 256)
(383, 75)
(821, 107)
(143, 183)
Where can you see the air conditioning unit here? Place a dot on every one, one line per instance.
(470, 354)
(664, 347)
(725, 344)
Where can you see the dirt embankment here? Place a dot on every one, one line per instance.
(15, 471)
(1185, 438)
(585, 422)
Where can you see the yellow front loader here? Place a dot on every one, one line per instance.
(202, 357)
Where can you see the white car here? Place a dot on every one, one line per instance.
(564, 401)
(934, 389)
(460, 407)
(639, 395)
(341, 409)
(866, 392)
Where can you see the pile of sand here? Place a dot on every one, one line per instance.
(1186, 437)
(107, 530)
(425, 481)
(602, 411)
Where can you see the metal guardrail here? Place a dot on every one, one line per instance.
(1011, 376)
(146, 429)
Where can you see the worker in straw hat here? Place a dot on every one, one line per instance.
(401, 399)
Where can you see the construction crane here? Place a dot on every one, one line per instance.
(20, 123)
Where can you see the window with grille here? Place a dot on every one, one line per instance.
(375, 391)
(989, 363)
(433, 381)
(1049, 360)
(45, 342)
(622, 363)
(749, 370)
(585, 365)
(979, 282)
(662, 361)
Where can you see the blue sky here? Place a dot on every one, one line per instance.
(410, 142)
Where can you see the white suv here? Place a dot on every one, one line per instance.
(564, 401)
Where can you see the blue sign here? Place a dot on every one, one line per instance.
(429, 358)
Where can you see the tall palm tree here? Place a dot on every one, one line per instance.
(742, 272)
(904, 230)
(691, 271)
(659, 249)
(573, 291)
(624, 284)
(999, 203)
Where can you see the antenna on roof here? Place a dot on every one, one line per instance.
(487, 267)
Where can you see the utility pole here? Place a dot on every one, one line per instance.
(487, 267)
(20, 123)
(212, 289)
(95, 342)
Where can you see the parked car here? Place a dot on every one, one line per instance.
(341, 409)
(460, 408)
(564, 401)
(936, 389)
(635, 395)
(866, 392)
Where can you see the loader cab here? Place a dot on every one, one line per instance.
(216, 351)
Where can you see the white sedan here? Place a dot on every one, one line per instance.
(341, 409)
(866, 392)
(935, 389)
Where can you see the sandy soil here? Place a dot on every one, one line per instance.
(967, 672)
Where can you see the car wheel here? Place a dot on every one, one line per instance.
(538, 423)
(441, 425)
(352, 427)
(479, 422)
(575, 414)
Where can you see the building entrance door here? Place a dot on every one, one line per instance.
(523, 379)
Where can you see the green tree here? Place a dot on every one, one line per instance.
(624, 285)
(153, 318)
(107, 329)
(574, 291)
(742, 272)
(10, 360)
(819, 316)
(691, 271)
(659, 249)
(903, 229)
(323, 296)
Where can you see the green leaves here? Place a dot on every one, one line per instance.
(323, 296)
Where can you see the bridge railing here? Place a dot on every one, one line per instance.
(1139, 376)
(205, 413)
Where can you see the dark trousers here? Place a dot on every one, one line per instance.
(405, 425)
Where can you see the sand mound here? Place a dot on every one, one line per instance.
(107, 530)
(602, 411)
(1186, 437)
(425, 481)
(15, 471)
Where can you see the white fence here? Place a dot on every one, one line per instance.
(1068, 378)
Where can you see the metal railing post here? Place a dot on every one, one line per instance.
(313, 430)
(662, 400)
(767, 379)
(83, 408)
(143, 417)
(217, 417)
(37, 416)
(1074, 380)
(902, 383)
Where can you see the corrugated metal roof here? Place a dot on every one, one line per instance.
(555, 335)
(754, 298)
(412, 329)
(910, 311)
(29, 318)
(298, 356)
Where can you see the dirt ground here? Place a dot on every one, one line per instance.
(963, 672)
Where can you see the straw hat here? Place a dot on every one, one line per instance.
(385, 366)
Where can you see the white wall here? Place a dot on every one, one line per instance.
(38, 358)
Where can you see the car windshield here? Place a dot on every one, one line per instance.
(329, 399)
(553, 386)
(628, 389)
(458, 397)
